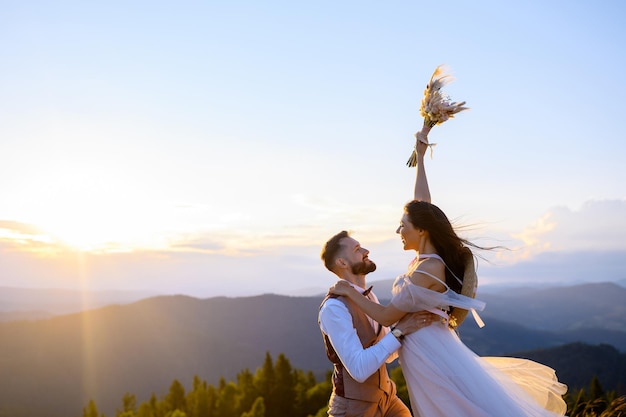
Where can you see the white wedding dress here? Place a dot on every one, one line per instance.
(446, 379)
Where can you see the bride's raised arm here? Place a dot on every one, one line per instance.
(422, 192)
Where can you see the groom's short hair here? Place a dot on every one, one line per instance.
(331, 249)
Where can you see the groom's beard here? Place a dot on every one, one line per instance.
(363, 268)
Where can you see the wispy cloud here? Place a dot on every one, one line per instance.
(559, 268)
(599, 225)
(557, 247)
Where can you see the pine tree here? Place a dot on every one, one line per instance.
(175, 399)
(212, 397)
(284, 394)
(129, 406)
(198, 399)
(303, 383)
(157, 409)
(91, 410)
(258, 409)
(225, 406)
(319, 394)
(248, 392)
(265, 381)
(145, 410)
(595, 389)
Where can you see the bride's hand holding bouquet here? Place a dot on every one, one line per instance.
(436, 108)
(421, 145)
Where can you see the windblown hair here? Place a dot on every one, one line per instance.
(448, 244)
(331, 249)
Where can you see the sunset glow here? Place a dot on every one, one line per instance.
(218, 156)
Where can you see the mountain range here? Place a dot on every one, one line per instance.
(41, 303)
(140, 347)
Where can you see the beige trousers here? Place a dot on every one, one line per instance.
(388, 406)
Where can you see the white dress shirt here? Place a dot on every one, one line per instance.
(336, 322)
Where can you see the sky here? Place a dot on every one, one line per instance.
(211, 148)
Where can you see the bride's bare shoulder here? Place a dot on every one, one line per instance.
(429, 273)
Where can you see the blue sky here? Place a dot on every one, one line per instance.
(210, 148)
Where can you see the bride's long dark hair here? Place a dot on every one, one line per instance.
(452, 249)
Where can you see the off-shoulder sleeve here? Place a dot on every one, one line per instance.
(410, 298)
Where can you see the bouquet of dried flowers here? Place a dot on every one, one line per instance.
(436, 108)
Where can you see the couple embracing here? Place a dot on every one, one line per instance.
(444, 377)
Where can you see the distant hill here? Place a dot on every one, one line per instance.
(64, 361)
(577, 363)
(26, 315)
(561, 309)
(566, 308)
(42, 303)
(141, 347)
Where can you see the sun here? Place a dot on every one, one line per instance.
(88, 234)
(90, 203)
(93, 221)
(93, 226)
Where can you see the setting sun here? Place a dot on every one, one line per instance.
(103, 224)
(90, 202)
(93, 222)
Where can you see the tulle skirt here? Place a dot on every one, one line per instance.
(446, 379)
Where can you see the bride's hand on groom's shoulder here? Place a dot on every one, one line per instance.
(341, 288)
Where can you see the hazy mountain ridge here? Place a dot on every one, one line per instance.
(567, 308)
(42, 303)
(25, 315)
(576, 362)
(141, 347)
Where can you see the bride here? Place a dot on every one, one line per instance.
(444, 377)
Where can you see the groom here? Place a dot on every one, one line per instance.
(359, 347)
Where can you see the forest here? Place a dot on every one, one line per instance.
(276, 389)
